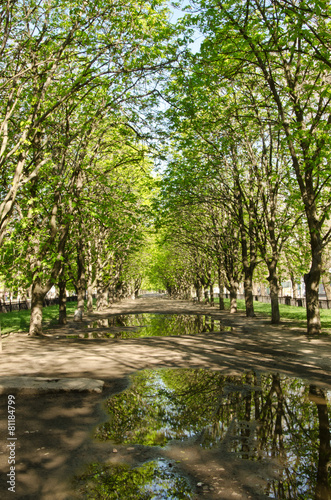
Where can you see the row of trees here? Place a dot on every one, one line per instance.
(247, 133)
(76, 180)
(248, 177)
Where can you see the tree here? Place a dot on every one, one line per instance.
(279, 48)
(53, 51)
(77, 65)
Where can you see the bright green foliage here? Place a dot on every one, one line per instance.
(172, 270)
(67, 70)
(249, 119)
(245, 136)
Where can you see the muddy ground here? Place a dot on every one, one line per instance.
(54, 431)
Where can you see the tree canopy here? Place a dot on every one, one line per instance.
(93, 95)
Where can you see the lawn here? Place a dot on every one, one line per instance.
(18, 321)
(296, 314)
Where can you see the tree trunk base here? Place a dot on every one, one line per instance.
(36, 316)
(312, 303)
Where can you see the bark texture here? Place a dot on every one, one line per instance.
(274, 291)
(37, 301)
(102, 298)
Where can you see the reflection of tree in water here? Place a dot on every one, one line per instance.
(150, 325)
(143, 414)
(116, 481)
(270, 416)
(178, 324)
(162, 324)
(323, 488)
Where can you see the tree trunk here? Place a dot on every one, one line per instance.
(137, 285)
(119, 292)
(323, 490)
(80, 297)
(211, 292)
(62, 302)
(232, 286)
(233, 299)
(221, 288)
(248, 288)
(102, 298)
(248, 252)
(274, 290)
(89, 298)
(81, 281)
(90, 277)
(326, 263)
(37, 300)
(312, 281)
(198, 292)
(111, 294)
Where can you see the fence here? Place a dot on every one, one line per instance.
(20, 305)
(288, 301)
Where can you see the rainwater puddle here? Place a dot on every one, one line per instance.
(151, 325)
(278, 423)
(156, 479)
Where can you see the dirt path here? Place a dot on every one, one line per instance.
(53, 430)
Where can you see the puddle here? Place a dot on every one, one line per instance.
(151, 325)
(156, 479)
(266, 419)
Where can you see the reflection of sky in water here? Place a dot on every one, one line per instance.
(154, 480)
(166, 482)
(256, 418)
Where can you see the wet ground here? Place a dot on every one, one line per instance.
(130, 326)
(237, 407)
(279, 423)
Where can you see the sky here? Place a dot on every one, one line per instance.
(177, 14)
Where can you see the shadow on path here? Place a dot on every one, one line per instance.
(53, 430)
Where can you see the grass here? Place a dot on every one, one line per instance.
(297, 315)
(18, 321)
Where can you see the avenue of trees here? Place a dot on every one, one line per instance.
(75, 170)
(248, 177)
(91, 92)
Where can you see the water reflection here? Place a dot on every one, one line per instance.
(156, 479)
(150, 325)
(253, 417)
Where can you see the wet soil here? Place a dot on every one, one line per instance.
(54, 431)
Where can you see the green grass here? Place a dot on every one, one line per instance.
(18, 321)
(297, 315)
